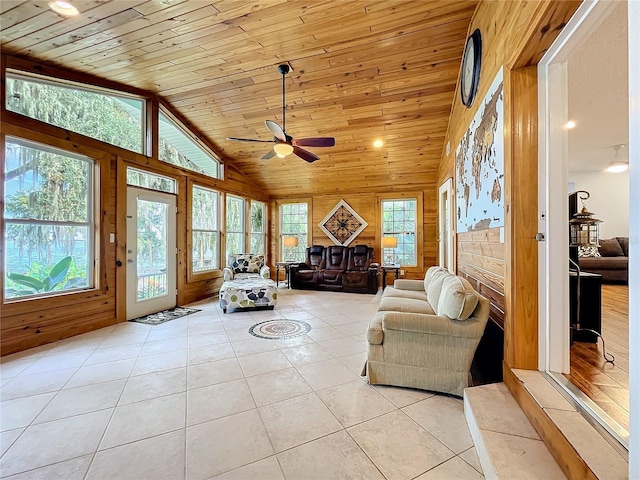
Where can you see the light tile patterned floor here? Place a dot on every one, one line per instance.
(200, 398)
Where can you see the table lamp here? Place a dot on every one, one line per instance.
(389, 244)
(290, 244)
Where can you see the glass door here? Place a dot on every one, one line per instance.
(151, 252)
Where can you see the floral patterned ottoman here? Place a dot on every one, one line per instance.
(248, 293)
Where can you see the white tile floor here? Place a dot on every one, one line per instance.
(200, 398)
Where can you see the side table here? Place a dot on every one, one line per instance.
(287, 271)
(389, 268)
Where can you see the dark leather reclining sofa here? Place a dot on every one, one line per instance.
(345, 269)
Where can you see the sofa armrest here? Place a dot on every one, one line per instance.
(433, 324)
(404, 284)
(227, 273)
(265, 271)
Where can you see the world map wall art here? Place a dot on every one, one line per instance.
(343, 224)
(480, 166)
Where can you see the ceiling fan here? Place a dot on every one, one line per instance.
(285, 144)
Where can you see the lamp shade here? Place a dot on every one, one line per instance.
(290, 241)
(389, 242)
(283, 149)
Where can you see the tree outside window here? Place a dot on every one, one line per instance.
(294, 222)
(399, 220)
(205, 252)
(258, 231)
(48, 213)
(234, 232)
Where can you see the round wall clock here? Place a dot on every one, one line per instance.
(470, 74)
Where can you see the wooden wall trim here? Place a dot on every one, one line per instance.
(521, 219)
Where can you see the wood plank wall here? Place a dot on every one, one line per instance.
(515, 34)
(25, 324)
(365, 204)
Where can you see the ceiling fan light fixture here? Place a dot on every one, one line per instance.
(617, 167)
(63, 8)
(378, 143)
(282, 149)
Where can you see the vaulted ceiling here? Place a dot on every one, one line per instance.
(360, 70)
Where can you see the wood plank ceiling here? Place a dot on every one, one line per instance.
(361, 70)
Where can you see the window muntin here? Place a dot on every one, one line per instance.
(205, 230)
(178, 148)
(294, 222)
(234, 233)
(152, 181)
(399, 220)
(113, 118)
(49, 220)
(258, 232)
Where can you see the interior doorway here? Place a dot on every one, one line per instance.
(150, 251)
(446, 236)
(584, 111)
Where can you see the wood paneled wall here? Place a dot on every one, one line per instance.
(25, 324)
(515, 35)
(366, 205)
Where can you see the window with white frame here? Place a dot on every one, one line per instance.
(234, 232)
(205, 230)
(111, 117)
(178, 148)
(294, 231)
(49, 220)
(152, 181)
(258, 230)
(399, 221)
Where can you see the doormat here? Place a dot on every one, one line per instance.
(280, 328)
(164, 316)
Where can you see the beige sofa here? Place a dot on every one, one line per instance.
(425, 333)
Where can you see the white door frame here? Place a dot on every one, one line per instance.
(553, 204)
(446, 226)
(137, 308)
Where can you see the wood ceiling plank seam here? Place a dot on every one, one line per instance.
(153, 6)
(86, 18)
(7, 5)
(25, 26)
(81, 34)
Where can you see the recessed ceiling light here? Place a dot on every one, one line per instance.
(378, 143)
(63, 8)
(570, 124)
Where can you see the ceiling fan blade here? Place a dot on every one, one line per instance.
(276, 130)
(268, 155)
(305, 154)
(248, 140)
(315, 142)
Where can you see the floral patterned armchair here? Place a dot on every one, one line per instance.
(245, 265)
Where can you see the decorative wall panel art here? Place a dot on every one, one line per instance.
(343, 224)
(480, 166)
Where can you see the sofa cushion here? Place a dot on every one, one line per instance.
(604, 263)
(624, 244)
(458, 299)
(433, 285)
(399, 293)
(412, 305)
(610, 248)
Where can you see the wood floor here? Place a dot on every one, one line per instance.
(606, 384)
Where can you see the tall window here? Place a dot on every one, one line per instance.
(179, 148)
(205, 250)
(234, 233)
(112, 118)
(294, 223)
(399, 221)
(49, 220)
(258, 231)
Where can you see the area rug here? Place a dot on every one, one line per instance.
(164, 316)
(279, 328)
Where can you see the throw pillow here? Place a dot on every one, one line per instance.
(610, 248)
(624, 243)
(458, 299)
(588, 252)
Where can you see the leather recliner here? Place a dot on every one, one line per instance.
(338, 268)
